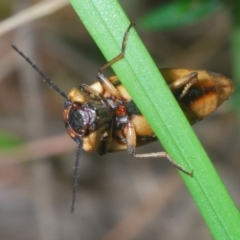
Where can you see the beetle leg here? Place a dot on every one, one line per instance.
(89, 92)
(186, 82)
(163, 155)
(107, 85)
(130, 136)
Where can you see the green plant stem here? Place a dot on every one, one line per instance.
(106, 22)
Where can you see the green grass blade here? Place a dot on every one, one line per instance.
(106, 22)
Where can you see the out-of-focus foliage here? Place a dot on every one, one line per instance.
(178, 13)
(7, 140)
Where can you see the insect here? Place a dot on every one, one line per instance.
(103, 118)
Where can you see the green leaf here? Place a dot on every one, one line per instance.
(106, 22)
(178, 14)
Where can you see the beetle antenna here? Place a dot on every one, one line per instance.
(45, 78)
(76, 176)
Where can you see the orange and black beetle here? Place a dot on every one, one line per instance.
(103, 118)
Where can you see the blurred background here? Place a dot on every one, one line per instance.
(119, 197)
